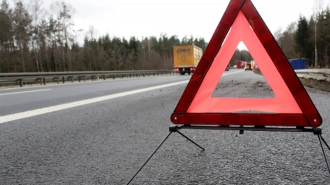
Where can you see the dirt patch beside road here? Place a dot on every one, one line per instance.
(312, 82)
(316, 84)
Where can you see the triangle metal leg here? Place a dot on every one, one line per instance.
(326, 144)
(190, 140)
(149, 157)
(325, 157)
(176, 129)
(172, 129)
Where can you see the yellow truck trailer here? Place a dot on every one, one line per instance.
(186, 58)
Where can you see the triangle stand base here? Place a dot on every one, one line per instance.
(241, 129)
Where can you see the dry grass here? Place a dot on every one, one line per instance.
(316, 84)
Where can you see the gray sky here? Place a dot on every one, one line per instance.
(126, 18)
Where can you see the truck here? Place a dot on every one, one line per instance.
(240, 64)
(186, 58)
(299, 63)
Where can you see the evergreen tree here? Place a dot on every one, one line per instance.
(302, 38)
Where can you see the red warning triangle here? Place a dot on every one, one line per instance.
(291, 105)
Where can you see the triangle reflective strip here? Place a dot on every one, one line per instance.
(283, 101)
(291, 106)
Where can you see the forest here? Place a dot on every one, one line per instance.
(34, 41)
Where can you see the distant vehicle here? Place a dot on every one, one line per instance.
(240, 64)
(227, 68)
(299, 63)
(253, 64)
(248, 67)
(186, 58)
(234, 66)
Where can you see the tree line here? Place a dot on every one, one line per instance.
(308, 38)
(33, 40)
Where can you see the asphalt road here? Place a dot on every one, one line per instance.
(94, 133)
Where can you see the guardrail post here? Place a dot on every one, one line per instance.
(78, 78)
(104, 77)
(44, 80)
(63, 79)
(20, 82)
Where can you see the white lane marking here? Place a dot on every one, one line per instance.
(230, 73)
(224, 74)
(161, 78)
(24, 92)
(27, 114)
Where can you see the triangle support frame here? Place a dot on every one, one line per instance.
(316, 131)
(241, 129)
(278, 122)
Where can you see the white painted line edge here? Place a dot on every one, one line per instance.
(24, 92)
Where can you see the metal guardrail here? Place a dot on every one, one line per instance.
(315, 71)
(43, 77)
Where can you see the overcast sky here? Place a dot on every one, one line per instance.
(143, 18)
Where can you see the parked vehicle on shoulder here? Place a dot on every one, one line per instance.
(248, 67)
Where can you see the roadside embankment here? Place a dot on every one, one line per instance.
(313, 78)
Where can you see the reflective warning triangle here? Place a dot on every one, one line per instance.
(291, 105)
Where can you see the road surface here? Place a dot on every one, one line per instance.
(102, 132)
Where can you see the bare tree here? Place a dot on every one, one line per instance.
(91, 33)
(286, 40)
(21, 21)
(318, 5)
(63, 13)
(36, 12)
